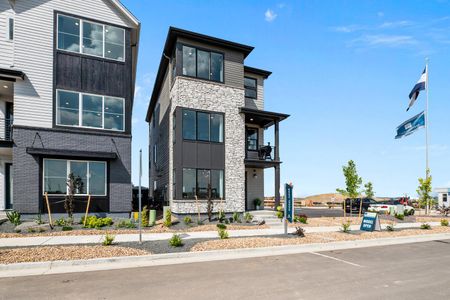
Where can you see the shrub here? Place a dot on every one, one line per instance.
(60, 222)
(199, 222)
(299, 231)
(39, 219)
(67, 228)
(31, 230)
(400, 216)
(237, 217)
(257, 202)
(390, 227)
(13, 217)
(222, 230)
(126, 224)
(425, 226)
(168, 218)
(221, 216)
(145, 216)
(280, 212)
(94, 222)
(176, 241)
(345, 227)
(444, 222)
(303, 219)
(187, 220)
(109, 239)
(248, 217)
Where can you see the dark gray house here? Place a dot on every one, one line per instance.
(206, 126)
(67, 74)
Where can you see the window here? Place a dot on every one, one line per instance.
(10, 29)
(444, 197)
(202, 64)
(197, 181)
(91, 173)
(77, 35)
(189, 183)
(252, 139)
(155, 155)
(174, 128)
(91, 111)
(202, 126)
(250, 87)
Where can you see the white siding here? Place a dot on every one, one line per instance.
(6, 46)
(34, 22)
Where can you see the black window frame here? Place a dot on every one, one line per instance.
(247, 135)
(209, 113)
(214, 196)
(10, 29)
(196, 62)
(255, 88)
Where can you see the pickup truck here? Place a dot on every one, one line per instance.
(386, 206)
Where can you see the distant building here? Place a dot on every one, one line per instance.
(443, 195)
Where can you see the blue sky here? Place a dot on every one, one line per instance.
(343, 71)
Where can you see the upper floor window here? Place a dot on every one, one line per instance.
(202, 64)
(250, 87)
(202, 126)
(10, 33)
(252, 138)
(91, 111)
(81, 36)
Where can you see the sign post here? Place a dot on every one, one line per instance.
(370, 222)
(288, 205)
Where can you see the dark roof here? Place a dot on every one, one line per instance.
(10, 73)
(261, 72)
(172, 36)
(263, 118)
(71, 153)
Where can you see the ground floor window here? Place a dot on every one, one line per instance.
(92, 175)
(196, 182)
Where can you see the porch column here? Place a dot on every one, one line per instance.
(277, 168)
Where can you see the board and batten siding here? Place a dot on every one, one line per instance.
(233, 62)
(6, 46)
(34, 40)
(257, 103)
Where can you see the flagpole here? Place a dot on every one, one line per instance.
(426, 132)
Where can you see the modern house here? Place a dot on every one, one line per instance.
(67, 73)
(443, 196)
(206, 126)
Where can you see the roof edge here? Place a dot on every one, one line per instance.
(125, 11)
(261, 72)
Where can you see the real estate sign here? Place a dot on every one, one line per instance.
(289, 202)
(370, 222)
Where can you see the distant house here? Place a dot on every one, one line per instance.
(206, 126)
(443, 196)
(67, 73)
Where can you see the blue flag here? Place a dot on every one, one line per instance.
(419, 86)
(408, 127)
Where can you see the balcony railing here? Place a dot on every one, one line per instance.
(6, 133)
(263, 152)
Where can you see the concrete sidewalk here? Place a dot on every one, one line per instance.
(96, 239)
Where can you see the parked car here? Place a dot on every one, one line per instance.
(356, 203)
(385, 207)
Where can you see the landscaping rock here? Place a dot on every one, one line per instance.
(32, 227)
(3, 220)
(258, 221)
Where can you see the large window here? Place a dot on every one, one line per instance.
(196, 182)
(252, 139)
(250, 87)
(91, 111)
(202, 126)
(92, 175)
(78, 35)
(202, 64)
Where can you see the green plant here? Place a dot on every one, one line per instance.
(408, 212)
(390, 227)
(424, 191)
(13, 217)
(444, 222)
(199, 222)
(248, 217)
(257, 202)
(39, 219)
(425, 226)
(176, 241)
(168, 218)
(302, 219)
(237, 217)
(299, 231)
(60, 222)
(145, 216)
(400, 216)
(352, 181)
(345, 227)
(280, 212)
(187, 220)
(66, 228)
(108, 240)
(127, 223)
(31, 230)
(95, 222)
(221, 216)
(222, 230)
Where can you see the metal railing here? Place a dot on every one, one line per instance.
(263, 152)
(6, 133)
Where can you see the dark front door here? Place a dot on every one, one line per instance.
(8, 186)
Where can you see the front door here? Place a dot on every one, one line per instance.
(8, 185)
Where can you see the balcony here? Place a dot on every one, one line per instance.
(6, 133)
(262, 152)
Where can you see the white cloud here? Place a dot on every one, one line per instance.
(270, 15)
(348, 28)
(378, 40)
(396, 24)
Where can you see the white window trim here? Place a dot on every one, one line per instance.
(80, 51)
(80, 111)
(68, 161)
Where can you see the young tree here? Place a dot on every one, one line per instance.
(352, 183)
(368, 191)
(75, 185)
(424, 191)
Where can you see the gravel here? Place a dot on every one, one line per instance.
(384, 219)
(52, 253)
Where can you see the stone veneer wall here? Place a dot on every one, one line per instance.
(199, 94)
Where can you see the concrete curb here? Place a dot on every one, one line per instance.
(58, 267)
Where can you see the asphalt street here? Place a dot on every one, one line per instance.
(320, 212)
(412, 271)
